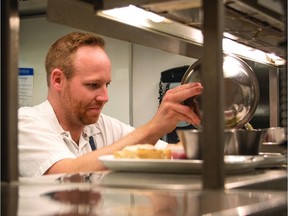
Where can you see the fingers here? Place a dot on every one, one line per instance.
(172, 110)
(186, 114)
(172, 113)
(185, 86)
(173, 102)
(183, 92)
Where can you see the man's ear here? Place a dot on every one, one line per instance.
(57, 77)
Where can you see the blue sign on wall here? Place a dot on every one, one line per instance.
(26, 71)
(25, 86)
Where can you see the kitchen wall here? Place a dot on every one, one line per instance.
(135, 70)
(147, 66)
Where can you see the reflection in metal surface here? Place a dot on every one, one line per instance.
(81, 178)
(92, 200)
(132, 193)
(80, 201)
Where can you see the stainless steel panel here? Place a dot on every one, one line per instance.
(274, 96)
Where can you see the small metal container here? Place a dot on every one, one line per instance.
(245, 142)
(191, 140)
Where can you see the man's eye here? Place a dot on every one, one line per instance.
(92, 85)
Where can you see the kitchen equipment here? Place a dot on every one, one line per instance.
(241, 91)
(245, 142)
(191, 140)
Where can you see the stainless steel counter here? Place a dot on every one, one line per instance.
(119, 193)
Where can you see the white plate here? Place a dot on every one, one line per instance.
(233, 164)
(272, 160)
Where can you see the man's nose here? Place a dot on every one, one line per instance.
(103, 95)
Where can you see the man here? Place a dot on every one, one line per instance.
(60, 134)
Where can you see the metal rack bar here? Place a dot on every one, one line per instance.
(213, 119)
(9, 90)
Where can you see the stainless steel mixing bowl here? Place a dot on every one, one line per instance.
(241, 91)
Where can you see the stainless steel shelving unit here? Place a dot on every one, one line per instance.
(63, 12)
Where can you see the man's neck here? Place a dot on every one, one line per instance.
(75, 131)
(76, 136)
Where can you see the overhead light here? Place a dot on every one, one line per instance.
(132, 15)
(141, 18)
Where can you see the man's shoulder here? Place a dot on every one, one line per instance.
(107, 119)
(42, 109)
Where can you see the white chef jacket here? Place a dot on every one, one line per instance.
(43, 142)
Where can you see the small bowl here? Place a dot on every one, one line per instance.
(178, 153)
(246, 142)
(275, 136)
(190, 138)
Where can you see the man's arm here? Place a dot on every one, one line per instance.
(170, 112)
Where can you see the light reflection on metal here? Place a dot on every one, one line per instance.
(138, 17)
(141, 18)
(230, 46)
